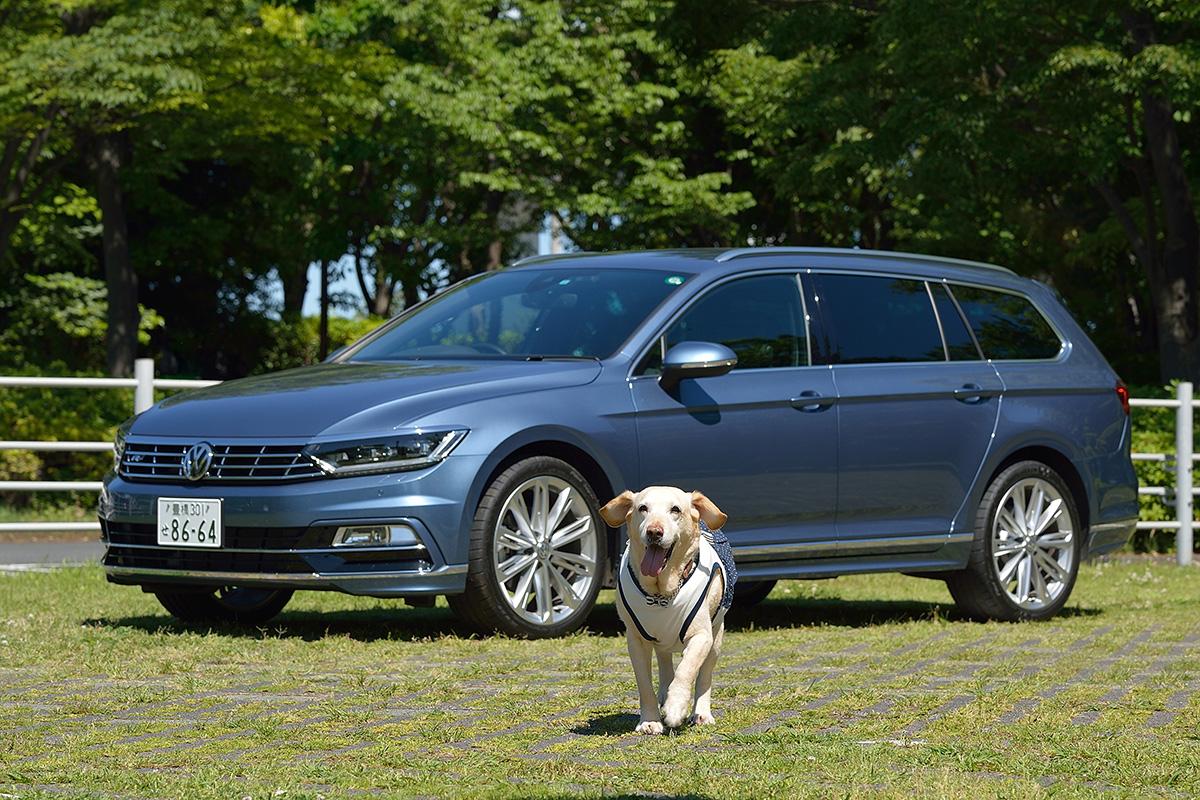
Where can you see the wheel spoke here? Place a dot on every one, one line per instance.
(1006, 548)
(1006, 574)
(541, 589)
(1051, 567)
(561, 504)
(1034, 513)
(570, 533)
(521, 515)
(520, 595)
(513, 566)
(565, 590)
(541, 511)
(1048, 516)
(1055, 540)
(1007, 522)
(1039, 582)
(1018, 507)
(574, 562)
(513, 540)
(1023, 579)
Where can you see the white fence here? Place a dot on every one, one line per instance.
(144, 383)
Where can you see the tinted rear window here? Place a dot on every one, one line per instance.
(1007, 326)
(878, 320)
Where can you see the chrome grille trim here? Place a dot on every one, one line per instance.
(241, 463)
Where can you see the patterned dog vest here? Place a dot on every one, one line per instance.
(665, 621)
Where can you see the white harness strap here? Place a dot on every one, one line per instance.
(664, 621)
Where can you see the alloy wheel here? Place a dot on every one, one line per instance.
(544, 552)
(1033, 550)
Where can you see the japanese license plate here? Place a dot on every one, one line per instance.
(189, 522)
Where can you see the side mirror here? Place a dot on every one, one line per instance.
(695, 360)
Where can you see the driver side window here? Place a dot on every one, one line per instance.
(761, 319)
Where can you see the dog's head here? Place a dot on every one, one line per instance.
(664, 524)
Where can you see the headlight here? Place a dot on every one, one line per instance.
(119, 446)
(391, 454)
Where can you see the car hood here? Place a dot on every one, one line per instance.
(351, 398)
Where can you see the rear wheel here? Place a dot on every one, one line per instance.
(228, 605)
(1026, 551)
(751, 593)
(534, 567)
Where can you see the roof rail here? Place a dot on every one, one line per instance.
(548, 257)
(746, 252)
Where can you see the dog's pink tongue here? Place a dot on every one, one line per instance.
(654, 560)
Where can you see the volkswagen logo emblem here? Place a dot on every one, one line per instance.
(196, 461)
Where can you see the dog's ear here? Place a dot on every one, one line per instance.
(616, 511)
(707, 510)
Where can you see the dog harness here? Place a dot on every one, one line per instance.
(664, 620)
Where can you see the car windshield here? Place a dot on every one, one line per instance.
(526, 313)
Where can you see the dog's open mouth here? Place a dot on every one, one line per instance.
(655, 559)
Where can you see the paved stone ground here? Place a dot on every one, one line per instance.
(161, 728)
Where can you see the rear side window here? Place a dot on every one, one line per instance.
(760, 319)
(1008, 326)
(959, 344)
(878, 320)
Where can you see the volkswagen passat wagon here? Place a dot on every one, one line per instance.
(851, 411)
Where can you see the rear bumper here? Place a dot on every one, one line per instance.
(1109, 536)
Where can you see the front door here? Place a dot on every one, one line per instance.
(760, 441)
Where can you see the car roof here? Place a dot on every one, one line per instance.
(738, 259)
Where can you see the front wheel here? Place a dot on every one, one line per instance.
(534, 567)
(1026, 551)
(228, 605)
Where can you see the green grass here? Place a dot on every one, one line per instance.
(863, 686)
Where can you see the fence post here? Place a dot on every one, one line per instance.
(143, 395)
(1183, 474)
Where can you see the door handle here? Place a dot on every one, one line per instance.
(810, 401)
(972, 393)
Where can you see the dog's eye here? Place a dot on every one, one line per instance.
(674, 509)
(641, 509)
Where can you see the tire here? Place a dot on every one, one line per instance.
(751, 593)
(1027, 573)
(228, 605)
(530, 601)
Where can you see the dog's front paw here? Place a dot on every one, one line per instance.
(651, 728)
(674, 713)
(703, 718)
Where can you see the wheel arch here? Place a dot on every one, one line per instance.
(1060, 463)
(600, 473)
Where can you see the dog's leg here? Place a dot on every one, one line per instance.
(703, 714)
(695, 651)
(666, 673)
(639, 656)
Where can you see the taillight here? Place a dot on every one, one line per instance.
(1123, 395)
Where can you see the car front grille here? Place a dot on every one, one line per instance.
(231, 463)
(236, 537)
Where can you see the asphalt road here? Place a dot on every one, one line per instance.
(18, 556)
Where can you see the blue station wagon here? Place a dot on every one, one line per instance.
(851, 411)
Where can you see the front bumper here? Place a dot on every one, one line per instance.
(280, 535)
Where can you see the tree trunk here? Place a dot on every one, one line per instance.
(295, 287)
(1175, 269)
(120, 338)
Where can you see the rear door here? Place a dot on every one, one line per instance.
(917, 408)
(761, 441)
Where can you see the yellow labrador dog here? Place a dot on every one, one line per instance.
(675, 584)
